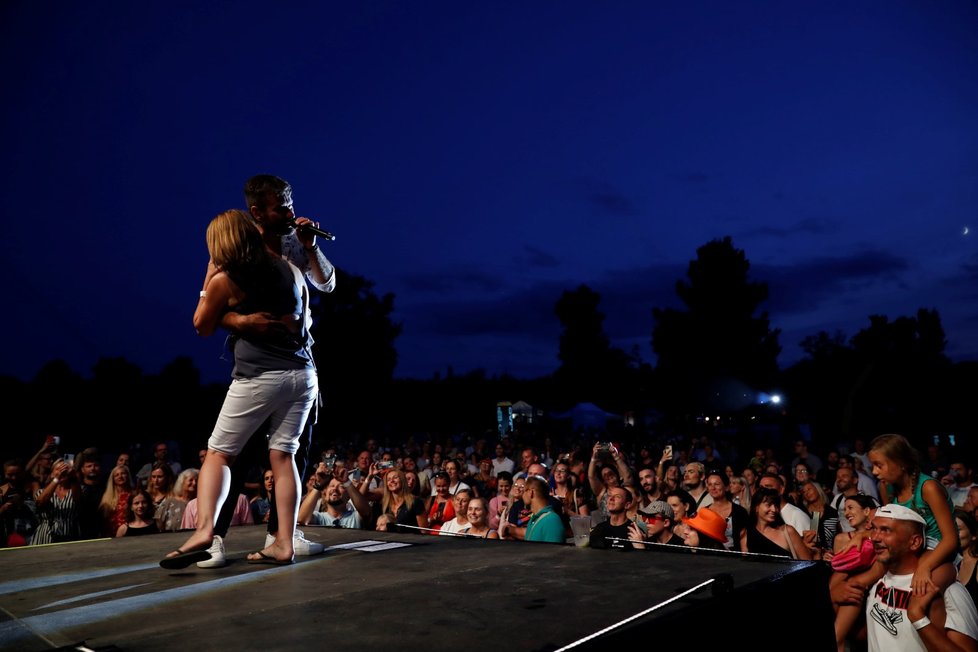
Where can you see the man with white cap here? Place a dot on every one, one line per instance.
(896, 619)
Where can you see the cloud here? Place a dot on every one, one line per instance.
(533, 257)
(612, 202)
(803, 286)
(809, 226)
(528, 311)
(691, 177)
(457, 280)
(604, 197)
(524, 316)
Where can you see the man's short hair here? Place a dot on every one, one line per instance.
(538, 484)
(258, 186)
(696, 466)
(628, 493)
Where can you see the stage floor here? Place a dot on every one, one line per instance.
(402, 591)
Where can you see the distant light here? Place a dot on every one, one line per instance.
(776, 399)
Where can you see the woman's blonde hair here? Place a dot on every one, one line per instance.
(234, 241)
(387, 502)
(110, 497)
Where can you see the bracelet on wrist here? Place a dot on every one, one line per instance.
(317, 486)
(920, 624)
(203, 294)
(313, 248)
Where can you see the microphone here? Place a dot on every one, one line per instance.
(309, 228)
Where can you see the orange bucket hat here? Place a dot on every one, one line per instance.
(709, 523)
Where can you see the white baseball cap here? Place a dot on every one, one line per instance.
(900, 513)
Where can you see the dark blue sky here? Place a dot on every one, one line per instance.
(477, 159)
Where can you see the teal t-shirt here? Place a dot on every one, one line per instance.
(919, 505)
(545, 525)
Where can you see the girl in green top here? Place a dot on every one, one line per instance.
(897, 467)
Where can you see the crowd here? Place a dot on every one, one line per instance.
(698, 493)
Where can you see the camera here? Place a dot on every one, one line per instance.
(69, 459)
(329, 461)
(385, 465)
(604, 447)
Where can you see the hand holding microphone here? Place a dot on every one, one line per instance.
(309, 227)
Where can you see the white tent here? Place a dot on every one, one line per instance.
(523, 409)
(587, 415)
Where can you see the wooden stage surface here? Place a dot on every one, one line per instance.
(376, 590)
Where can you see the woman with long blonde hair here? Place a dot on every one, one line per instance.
(399, 504)
(114, 506)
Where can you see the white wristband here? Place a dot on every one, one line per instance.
(203, 294)
(920, 624)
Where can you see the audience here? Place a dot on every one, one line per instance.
(735, 504)
(478, 525)
(57, 506)
(161, 453)
(614, 532)
(139, 519)
(169, 513)
(968, 550)
(114, 505)
(768, 534)
(460, 504)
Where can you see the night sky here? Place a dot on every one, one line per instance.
(477, 159)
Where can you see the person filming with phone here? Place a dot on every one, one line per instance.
(607, 469)
(58, 506)
(334, 500)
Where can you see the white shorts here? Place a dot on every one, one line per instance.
(284, 398)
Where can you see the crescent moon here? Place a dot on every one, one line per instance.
(966, 231)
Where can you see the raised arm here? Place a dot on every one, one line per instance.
(593, 478)
(317, 267)
(627, 478)
(360, 502)
(58, 473)
(315, 494)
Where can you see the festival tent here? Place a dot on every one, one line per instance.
(587, 415)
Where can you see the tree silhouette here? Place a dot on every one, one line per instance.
(591, 369)
(354, 350)
(902, 376)
(892, 376)
(715, 355)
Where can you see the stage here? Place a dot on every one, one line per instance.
(376, 590)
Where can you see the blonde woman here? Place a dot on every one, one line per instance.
(478, 523)
(114, 507)
(399, 504)
(740, 489)
(274, 378)
(169, 514)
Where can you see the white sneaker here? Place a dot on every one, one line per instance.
(303, 546)
(218, 558)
